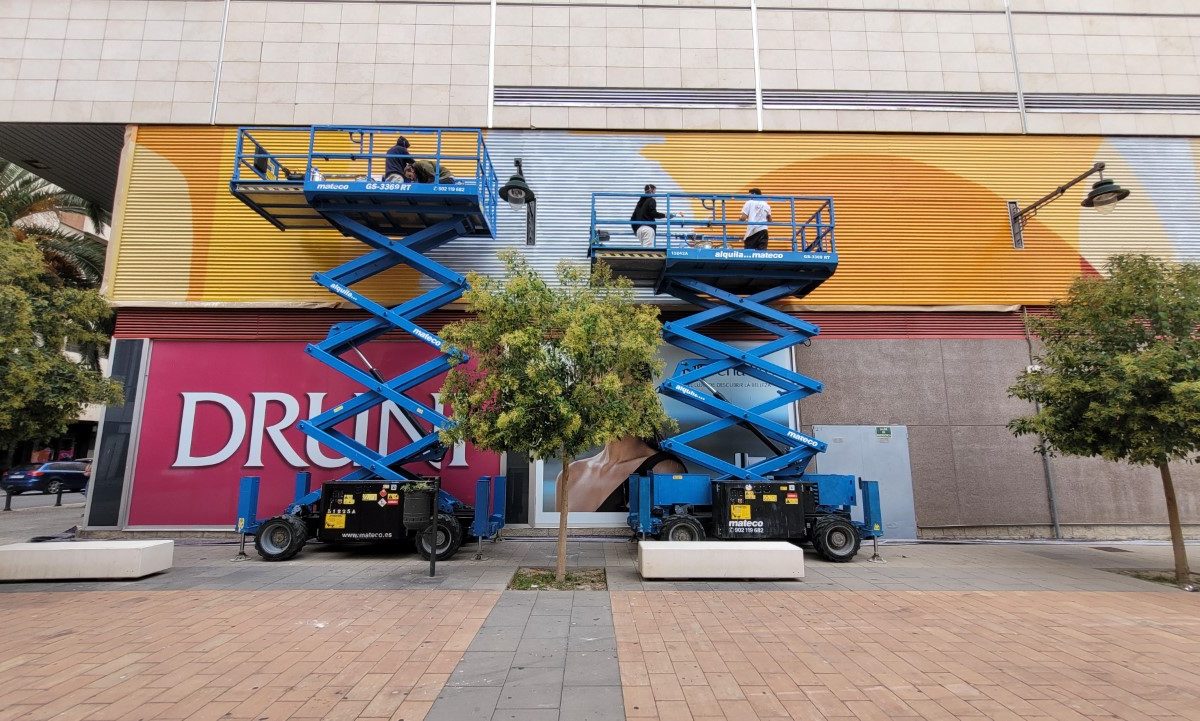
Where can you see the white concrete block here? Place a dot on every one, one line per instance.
(720, 559)
(84, 559)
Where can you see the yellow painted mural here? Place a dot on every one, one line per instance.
(921, 219)
(182, 238)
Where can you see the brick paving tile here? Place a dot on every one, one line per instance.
(824, 655)
(231, 654)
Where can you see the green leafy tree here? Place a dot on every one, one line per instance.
(559, 369)
(43, 390)
(32, 208)
(1119, 374)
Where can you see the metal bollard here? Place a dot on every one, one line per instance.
(8, 500)
(58, 497)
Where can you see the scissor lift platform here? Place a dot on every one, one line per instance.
(709, 246)
(336, 169)
(336, 177)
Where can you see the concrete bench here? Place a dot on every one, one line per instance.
(84, 560)
(720, 559)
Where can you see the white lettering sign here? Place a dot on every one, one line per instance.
(263, 407)
(237, 431)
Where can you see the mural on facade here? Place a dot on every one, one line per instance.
(922, 219)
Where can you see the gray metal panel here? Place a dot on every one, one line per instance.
(1112, 102)
(631, 97)
(866, 452)
(884, 99)
(82, 158)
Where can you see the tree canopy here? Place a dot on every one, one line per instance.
(1119, 373)
(42, 389)
(33, 208)
(558, 369)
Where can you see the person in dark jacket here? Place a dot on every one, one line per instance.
(397, 158)
(646, 209)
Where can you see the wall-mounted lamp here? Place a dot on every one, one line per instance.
(516, 192)
(1104, 196)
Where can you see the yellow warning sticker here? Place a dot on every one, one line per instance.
(348, 499)
(335, 521)
(770, 498)
(791, 501)
(370, 496)
(739, 512)
(750, 496)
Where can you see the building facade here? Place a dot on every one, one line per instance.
(922, 120)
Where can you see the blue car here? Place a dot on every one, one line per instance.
(46, 477)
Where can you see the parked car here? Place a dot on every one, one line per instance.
(46, 477)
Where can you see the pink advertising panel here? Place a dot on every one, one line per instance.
(217, 411)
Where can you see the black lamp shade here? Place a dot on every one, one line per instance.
(516, 191)
(1104, 192)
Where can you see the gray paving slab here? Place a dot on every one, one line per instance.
(591, 668)
(482, 668)
(497, 638)
(532, 687)
(526, 714)
(541, 652)
(563, 660)
(593, 703)
(464, 703)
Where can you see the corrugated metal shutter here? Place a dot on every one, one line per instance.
(311, 325)
(184, 237)
(921, 219)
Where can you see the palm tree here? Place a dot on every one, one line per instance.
(34, 209)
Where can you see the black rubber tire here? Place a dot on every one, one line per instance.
(450, 537)
(836, 539)
(681, 528)
(52, 486)
(280, 538)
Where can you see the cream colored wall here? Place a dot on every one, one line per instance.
(421, 63)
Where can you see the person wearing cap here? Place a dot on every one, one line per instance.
(397, 158)
(755, 211)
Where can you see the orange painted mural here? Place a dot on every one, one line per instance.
(921, 219)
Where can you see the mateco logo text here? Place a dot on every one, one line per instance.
(753, 255)
(427, 337)
(803, 439)
(332, 186)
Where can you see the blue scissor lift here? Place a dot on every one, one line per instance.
(697, 256)
(334, 176)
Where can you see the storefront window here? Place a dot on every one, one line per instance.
(598, 487)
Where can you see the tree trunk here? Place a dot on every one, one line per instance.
(1182, 574)
(560, 570)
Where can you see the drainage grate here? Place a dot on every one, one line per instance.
(1111, 549)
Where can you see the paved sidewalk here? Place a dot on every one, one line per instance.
(201, 655)
(540, 656)
(912, 567)
(1044, 656)
(941, 631)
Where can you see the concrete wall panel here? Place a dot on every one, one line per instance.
(874, 382)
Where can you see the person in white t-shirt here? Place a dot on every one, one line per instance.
(755, 211)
